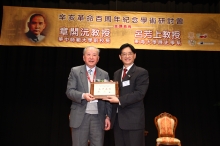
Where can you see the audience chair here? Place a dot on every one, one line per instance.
(166, 125)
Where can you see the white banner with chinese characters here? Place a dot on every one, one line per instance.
(27, 26)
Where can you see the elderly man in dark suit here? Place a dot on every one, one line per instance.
(128, 113)
(89, 117)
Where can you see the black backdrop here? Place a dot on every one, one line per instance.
(34, 107)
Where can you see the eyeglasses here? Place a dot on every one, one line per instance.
(127, 54)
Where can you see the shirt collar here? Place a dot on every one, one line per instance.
(93, 69)
(128, 67)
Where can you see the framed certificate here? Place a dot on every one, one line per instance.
(103, 89)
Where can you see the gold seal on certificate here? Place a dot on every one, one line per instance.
(103, 89)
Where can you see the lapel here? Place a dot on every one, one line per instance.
(83, 77)
(130, 72)
(98, 73)
(128, 75)
(118, 77)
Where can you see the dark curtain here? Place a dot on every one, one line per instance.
(35, 109)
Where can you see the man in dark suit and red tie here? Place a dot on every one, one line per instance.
(128, 113)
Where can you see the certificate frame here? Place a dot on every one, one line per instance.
(103, 89)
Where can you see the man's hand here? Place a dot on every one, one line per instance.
(112, 99)
(89, 97)
(107, 123)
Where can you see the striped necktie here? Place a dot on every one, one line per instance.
(124, 73)
(90, 72)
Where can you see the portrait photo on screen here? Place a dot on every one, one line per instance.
(36, 25)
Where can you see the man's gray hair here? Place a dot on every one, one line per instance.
(84, 50)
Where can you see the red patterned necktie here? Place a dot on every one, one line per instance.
(124, 73)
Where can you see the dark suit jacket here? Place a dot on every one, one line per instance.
(34, 38)
(131, 112)
(76, 86)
